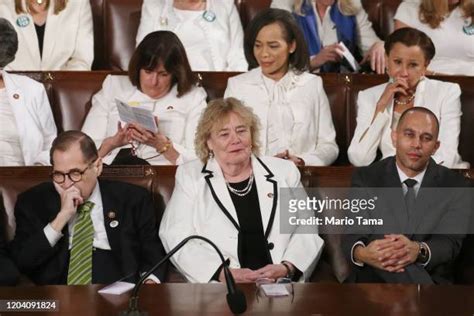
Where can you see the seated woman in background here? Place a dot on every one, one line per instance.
(325, 23)
(379, 108)
(230, 196)
(210, 31)
(290, 103)
(450, 24)
(160, 80)
(27, 127)
(52, 34)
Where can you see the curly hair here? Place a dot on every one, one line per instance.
(215, 116)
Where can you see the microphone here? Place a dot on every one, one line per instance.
(235, 297)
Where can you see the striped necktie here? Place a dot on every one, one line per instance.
(80, 259)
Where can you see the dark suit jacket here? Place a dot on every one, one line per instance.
(134, 242)
(440, 219)
(9, 274)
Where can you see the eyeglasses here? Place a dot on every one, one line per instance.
(74, 175)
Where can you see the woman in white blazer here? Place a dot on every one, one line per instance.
(291, 104)
(160, 80)
(210, 30)
(27, 125)
(230, 196)
(379, 108)
(52, 34)
(325, 23)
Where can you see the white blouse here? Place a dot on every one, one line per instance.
(454, 48)
(216, 34)
(199, 55)
(10, 146)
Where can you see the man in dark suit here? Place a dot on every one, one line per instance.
(81, 230)
(425, 208)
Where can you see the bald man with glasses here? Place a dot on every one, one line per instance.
(80, 230)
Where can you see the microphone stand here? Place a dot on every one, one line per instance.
(235, 298)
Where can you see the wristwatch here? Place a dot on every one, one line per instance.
(423, 253)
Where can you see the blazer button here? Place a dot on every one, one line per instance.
(271, 245)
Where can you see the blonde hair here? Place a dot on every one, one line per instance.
(433, 12)
(21, 6)
(215, 116)
(347, 7)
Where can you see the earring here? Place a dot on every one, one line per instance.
(211, 154)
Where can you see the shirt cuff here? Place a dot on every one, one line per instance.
(152, 277)
(357, 263)
(52, 235)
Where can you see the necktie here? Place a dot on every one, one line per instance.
(410, 197)
(80, 259)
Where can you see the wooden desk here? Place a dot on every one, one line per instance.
(209, 299)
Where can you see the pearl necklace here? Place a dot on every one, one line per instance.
(244, 191)
(407, 101)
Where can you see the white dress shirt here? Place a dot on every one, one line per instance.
(97, 215)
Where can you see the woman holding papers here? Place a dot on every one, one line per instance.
(326, 23)
(379, 108)
(232, 197)
(159, 82)
(291, 103)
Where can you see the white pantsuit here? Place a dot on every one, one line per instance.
(68, 38)
(442, 98)
(221, 32)
(33, 116)
(313, 137)
(198, 205)
(177, 117)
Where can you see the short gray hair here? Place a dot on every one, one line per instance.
(8, 42)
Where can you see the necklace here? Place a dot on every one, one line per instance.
(407, 101)
(244, 191)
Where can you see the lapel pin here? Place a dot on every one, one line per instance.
(16, 96)
(111, 214)
(209, 16)
(114, 224)
(170, 107)
(23, 21)
(270, 195)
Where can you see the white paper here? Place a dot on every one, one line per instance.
(346, 53)
(129, 114)
(275, 289)
(117, 288)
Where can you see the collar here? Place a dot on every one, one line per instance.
(419, 177)
(96, 196)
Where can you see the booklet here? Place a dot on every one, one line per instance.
(346, 53)
(131, 114)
